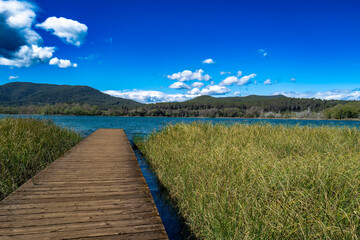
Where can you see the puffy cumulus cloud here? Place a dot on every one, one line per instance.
(197, 85)
(19, 14)
(237, 93)
(28, 55)
(150, 96)
(194, 91)
(246, 79)
(179, 85)
(188, 75)
(267, 82)
(62, 63)
(239, 73)
(70, 31)
(208, 61)
(337, 94)
(231, 80)
(20, 45)
(13, 77)
(214, 90)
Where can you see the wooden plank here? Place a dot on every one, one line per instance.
(95, 191)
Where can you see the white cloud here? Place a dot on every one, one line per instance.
(179, 85)
(214, 90)
(194, 91)
(237, 93)
(246, 79)
(197, 85)
(239, 73)
(337, 94)
(229, 81)
(20, 45)
(209, 61)
(70, 31)
(224, 73)
(19, 14)
(62, 63)
(236, 80)
(267, 82)
(293, 79)
(188, 75)
(150, 96)
(28, 56)
(13, 77)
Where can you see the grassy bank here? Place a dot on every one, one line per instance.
(261, 182)
(27, 146)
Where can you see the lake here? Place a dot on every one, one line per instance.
(144, 125)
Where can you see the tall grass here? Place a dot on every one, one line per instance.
(27, 146)
(261, 181)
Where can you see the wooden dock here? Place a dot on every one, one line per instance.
(95, 191)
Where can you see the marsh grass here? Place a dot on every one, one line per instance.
(27, 146)
(261, 181)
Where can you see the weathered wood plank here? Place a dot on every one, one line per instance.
(95, 191)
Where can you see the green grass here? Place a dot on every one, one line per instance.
(261, 181)
(26, 147)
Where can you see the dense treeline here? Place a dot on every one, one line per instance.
(206, 106)
(280, 107)
(343, 111)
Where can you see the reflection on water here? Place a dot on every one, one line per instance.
(144, 125)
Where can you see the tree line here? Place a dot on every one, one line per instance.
(273, 109)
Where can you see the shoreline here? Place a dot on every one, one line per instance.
(309, 119)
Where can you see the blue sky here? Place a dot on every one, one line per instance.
(153, 51)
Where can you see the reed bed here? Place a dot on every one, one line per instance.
(27, 146)
(260, 181)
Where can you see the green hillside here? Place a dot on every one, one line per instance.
(50, 99)
(25, 93)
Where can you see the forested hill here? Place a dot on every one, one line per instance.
(25, 93)
(50, 99)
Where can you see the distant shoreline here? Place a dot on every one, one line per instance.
(310, 119)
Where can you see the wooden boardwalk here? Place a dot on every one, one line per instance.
(95, 191)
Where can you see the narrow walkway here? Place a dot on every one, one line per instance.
(95, 191)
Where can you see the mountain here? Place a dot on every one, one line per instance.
(26, 93)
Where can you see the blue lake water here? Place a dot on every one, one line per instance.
(144, 125)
